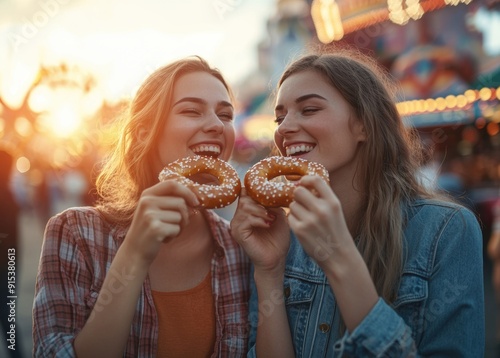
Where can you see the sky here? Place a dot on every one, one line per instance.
(122, 41)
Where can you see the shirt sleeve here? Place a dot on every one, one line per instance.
(63, 287)
(453, 322)
(370, 340)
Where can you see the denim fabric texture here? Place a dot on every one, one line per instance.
(439, 310)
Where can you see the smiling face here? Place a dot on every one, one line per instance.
(316, 123)
(200, 121)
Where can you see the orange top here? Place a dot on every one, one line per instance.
(186, 321)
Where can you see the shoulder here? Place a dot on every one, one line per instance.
(76, 214)
(82, 226)
(78, 219)
(438, 212)
(435, 228)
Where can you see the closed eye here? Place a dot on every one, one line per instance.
(310, 110)
(190, 111)
(226, 116)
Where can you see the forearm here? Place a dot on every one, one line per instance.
(106, 331)
(273, 332)
(351, 282)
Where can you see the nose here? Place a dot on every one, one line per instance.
(287, 125)
(213, 124)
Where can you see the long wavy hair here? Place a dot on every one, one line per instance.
(389, 158)
(130, 168)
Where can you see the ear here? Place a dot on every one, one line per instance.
(359, 130)
(142, 134)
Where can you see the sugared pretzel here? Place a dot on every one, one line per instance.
(210, 196)
(270, 193)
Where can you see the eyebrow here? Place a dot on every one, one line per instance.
(201, 101)
(302, 99)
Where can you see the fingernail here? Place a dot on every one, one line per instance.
(271, 216)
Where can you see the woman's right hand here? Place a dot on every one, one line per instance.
(161, 213)
(262, 232)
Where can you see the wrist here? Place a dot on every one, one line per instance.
(269, 278)
(270, 289)
(132, 258)
(342, 261)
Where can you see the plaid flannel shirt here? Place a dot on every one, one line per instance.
(78, 248)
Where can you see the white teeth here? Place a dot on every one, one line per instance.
(206, 148)
(298, 149)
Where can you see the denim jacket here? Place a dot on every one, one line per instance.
(439, 309)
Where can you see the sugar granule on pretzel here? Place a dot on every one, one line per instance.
(210, 196)
(259, 184)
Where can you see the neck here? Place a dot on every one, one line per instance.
(352, 202)
(195, 231)
(184, 261)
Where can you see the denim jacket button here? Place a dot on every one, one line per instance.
(324, 327)
(286, 292)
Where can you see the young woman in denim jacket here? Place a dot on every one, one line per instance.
(374, 264)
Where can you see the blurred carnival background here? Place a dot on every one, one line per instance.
(69, 67)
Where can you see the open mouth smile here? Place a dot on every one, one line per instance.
(298, 149)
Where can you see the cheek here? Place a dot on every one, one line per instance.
(278, 140)
(230, 130)
(230, 133)
(162, 153)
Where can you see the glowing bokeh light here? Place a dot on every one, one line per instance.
(63, 121)
(451, 101)
(23, 164)
(23, 127)
(471, 95)
(480, 123)
(66, 121)
(485, 94)
(492, 128)
(470, 134)
(461, 101)
(40, 99)
(440, 103)
(431, 104)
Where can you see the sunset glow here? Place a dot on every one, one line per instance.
(64, 121)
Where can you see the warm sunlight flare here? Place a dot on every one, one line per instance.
(40, 98)
(15, 83)
(63, 121)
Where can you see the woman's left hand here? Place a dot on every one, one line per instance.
(317, 219)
